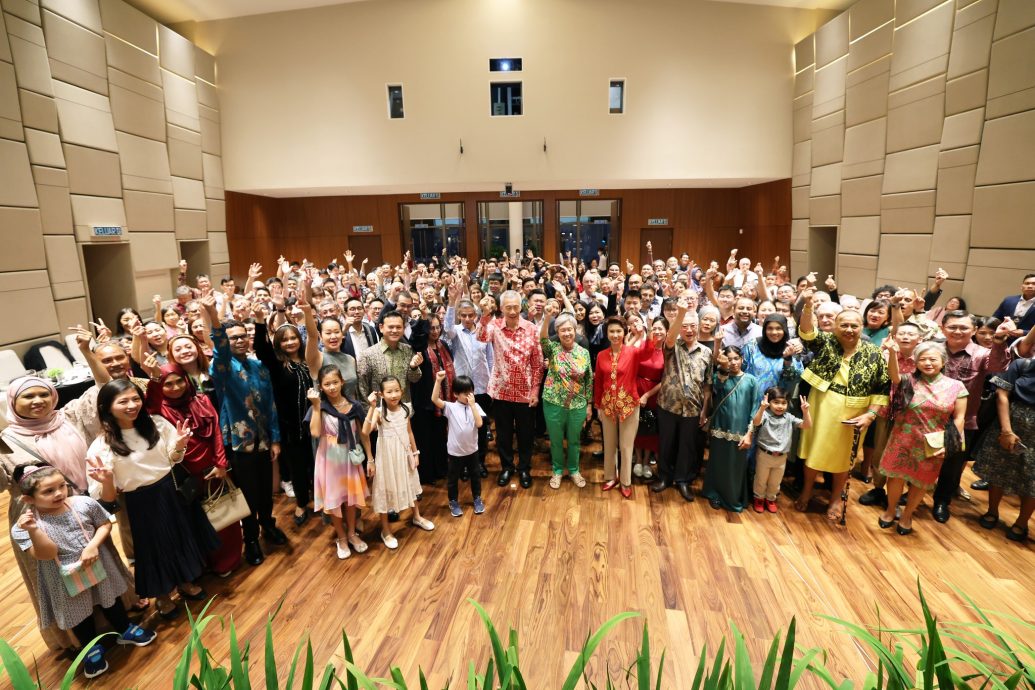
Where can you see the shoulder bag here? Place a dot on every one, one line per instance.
(225, 506)
(77, 577)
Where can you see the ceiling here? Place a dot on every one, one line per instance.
(177, 11)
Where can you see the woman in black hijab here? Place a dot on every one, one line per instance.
(770, 358)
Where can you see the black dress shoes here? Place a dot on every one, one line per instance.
(980, 485)
(253, 552)
(504, 477)
(941, 512)
(393, 516)
(483, 471)
(874, 497)
(274, 535)
(526, 480)
(685, 492)
(660, 485)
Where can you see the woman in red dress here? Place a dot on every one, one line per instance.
(648, 382)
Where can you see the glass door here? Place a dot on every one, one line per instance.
(494, 227)
(431, 230)
(586, 226)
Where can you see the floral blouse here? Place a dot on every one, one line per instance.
(614, 385)
(867, 375)
(569, 375)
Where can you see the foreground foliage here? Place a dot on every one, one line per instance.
(987, 657)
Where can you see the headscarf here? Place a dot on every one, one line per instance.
(768, 348)
(57, 440)
(204, 442)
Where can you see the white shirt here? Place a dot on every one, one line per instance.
(143, 466)
(1023, 305)
(471, 357)
(733, 337)
(462, 439)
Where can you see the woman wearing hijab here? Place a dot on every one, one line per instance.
(174, 397)
(770, 359)
(37, 432)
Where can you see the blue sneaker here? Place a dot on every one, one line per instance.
(94, 664)
(479, 505)
(137, 636)
(454, 509)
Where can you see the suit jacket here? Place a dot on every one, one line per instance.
(372, 338)
(1007, 307)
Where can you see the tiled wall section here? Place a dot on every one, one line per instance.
(914, 132)
(106, 118)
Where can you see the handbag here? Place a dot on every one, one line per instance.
(648, 421)
(225, 506)
(934, 443)
(78, 577)
(337, 453)
(186, 485)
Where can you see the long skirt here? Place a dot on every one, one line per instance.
(726, 476)
(1013, 473)
(171, 539)
(827, 445)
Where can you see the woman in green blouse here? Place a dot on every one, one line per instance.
(566, 393)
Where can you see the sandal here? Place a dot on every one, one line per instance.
(200, 595)
(801, 506)
(989, 520)
(835, 514)
(578, 480)
(555, 481)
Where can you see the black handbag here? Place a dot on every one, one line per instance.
(648, 421)
(186, 485)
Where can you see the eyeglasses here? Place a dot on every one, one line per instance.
(958, 328)
(237, 337)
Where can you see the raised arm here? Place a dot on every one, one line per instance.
(313, 356)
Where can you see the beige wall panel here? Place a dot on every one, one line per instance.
(151, 283)
(44, 148)
(956, 270)
(864, 149)
(85, 117)
(915, 115)
(38, 112)
(5, 46)
(956, 189)
(986, 285)
(861, 197)
(951, 239)
(963, 129)
(904, 258)
(1002, 216)
(966, 93)
(55, 209)
(31, 65)
(1008, 259)
(871, 48)
(207, 113)
(10, 113)
(83, 12)
(829, 94)
(828, 139)
(970, 47)
(62, 259)
(217, 249)
(800, 235)
(856, 274)
(29, 10)
(191, 225)
(799, 202)
(130, 24)
(131, 60)
(859, 235)
(28, 31)
(804, 81)
(921, 48)
(805, 52)
(188, 193)
(16, 184)
(908, 10)
(210, 138)
(204, 66)
(216, 215)
(71, 312)
(911, 213)
(1008, 150)
(867, 15)
(29, 280)
(63, 291)
(152, 251)
(223, 269)
(21, 236)
(175, 53)
(145, 164)
(15, 304)
(1013, 16)
(832, 40)
(866, 95)
(147, 212)
(57, 177)
(93, 172)
(1011, 79)
(957, 157)
(137, 106)
(801, 166)
(801, 119)
(799, 263)
(826, 180)
(185, 153)
(181, 101)
(825, 210)
(908, 171)
(76, 54)
(209, 96)
(214, 176)
(88, 211)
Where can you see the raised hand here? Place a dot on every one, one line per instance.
(150, 365)
(552, 309)
(349, 256)
(940, 275)
(789, 351)
(488, 305)
(764, 405)
(649, 247)
(97, 471)
(416, 361)
(313, 396)
(136, 330)
(157, 300)
(804, 402)
(629, 268)
(889, 344)
(82, 336)
(183, 265)
(254, 271)
(183, 433)
(830, 284)
(440, 376)
(733, 252)
(1006, 328)
(27, 520)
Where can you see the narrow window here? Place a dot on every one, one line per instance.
(616, 96)
(504, 64)
(395, 101)
(505, 98)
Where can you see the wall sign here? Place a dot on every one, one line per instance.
(589, 192)
(107, 231)
(362, 228)
(510, 195)
(430, 195)
(657, 221)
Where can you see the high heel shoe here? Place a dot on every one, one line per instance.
(609, 485)
(200, 595)
(885, 524)
(904, 530)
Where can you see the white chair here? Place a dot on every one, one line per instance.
(55, 358)
(10, 366)
(73, 347)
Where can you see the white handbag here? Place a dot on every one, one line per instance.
(225, 506)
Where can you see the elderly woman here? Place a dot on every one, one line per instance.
(923, 403)
(566, 393)
(1006, 455)
(849, 380)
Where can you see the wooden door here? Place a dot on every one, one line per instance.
(661, 244)
(367, 247)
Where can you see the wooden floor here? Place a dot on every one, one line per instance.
(556, 564)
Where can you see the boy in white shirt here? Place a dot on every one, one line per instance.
(465, 417)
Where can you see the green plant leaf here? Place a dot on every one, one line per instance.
(643, 662)
(69, 678)
(351, 683)
(16, 669)
(271, 659)
(744, 677)
(769, 666)
(238, 662)
(661, 669)
(502, 664)
(591, 645)
(307, 670)
(360, 677)
(294, 665)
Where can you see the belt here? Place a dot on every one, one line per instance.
(769, 452)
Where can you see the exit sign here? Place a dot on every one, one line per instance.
(589, 192)
(657, 221)
(510, 195)
(107, 230)
(430, 195)
(362, 228)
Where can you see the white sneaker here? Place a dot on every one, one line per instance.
(637, 470)
(424, 523)
(647, 473)
(288, 488)
(343, 550)
(390, 541)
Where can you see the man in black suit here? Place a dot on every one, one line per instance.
(358, 335)
(1020, 308)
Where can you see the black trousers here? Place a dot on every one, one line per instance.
(952, 471)
(678, 459)
(253, 473)
(297, 457)
(511, 417)
(485, 402)
(116, 615)
(458, 463)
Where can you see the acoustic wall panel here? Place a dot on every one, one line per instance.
(1011, 76)
(38, 111)
(871, 47)
(216, 215)
(915, 115)
(85, 117)
(966, 93)
(145, 164)
(867, 15)
(1002, 216)
(93, 172)
(861, 197)
(864, 149)
(859, 235)
(1008, 149)
(21, 235)
(175, 53)
(130, 24)
(132, 60)
(181, 101)
(204, 70)
(28, 10)
(191, 225)
(137, 106)
(31, 66)
(832, 40)
(10, 113)
(85, 13)
(185, 153)
(148, 212)
(866, 92)
(921, 48)
(1012, 16)
(76, 53)
(16, 185)
(951, 241)
(44, 148)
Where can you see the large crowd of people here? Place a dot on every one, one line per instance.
(317, 381)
